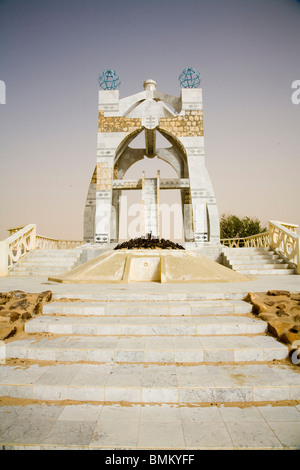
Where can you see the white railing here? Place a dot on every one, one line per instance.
(281, 237)
(16, 246)
(285, 241)
(261, 240)
(46, 243)
(24, 239)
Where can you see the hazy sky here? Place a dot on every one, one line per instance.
(52, 52)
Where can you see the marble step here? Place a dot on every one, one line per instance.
(266, 272)
(42, 254)
(38, 270)
(36, 262)
(259, 257)
(116, 295)
(97, 426)
(205, 307)
(260, 267)
(240, 251)
(138, 383)
(141, 349)
(188, 325)
(258, 261)
(44, 267)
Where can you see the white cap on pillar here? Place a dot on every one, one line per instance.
(149, 84)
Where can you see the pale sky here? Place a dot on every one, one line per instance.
(52, 52)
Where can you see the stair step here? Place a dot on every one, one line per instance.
(116, 295)
(148, 308)
(266, 272)
(30, 273)
(49, 262)
(248, 260)
(54, 253)
(259, 266)
(43, 270)
(144, 349)
(248, 250)
(256, 261)
(256, 255)
(189, 325)
(150, 383)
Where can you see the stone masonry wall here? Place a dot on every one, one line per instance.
(117, 123)
(104, 176)
(189, 125)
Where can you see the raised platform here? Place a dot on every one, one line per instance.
(165, 266)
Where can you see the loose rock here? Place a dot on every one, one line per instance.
(258, 306)
(279, 292)
(277, 327)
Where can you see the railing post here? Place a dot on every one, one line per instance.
(3, 258)
(298, 255)
(33, 239)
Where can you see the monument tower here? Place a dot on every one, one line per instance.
(177, 119)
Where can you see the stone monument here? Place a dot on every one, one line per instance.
(180, 121)
(177, 119)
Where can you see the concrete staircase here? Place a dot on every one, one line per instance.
(138, 349)
(256, 261)
(127, 350)
(46, 262)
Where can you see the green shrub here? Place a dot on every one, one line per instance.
(232, 226)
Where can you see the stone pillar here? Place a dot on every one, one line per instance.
(158, 203)
(104, 174)
(150, 207)
(187, 214)
(114, 230)
(89, 212)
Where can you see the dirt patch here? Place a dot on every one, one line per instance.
(281, 310)
(9, 401)
(17, 307)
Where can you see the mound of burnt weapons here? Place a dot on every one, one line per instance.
(148, 243)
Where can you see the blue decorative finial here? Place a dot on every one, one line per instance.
(109, 80)
(190, 78)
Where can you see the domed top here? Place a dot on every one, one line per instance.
(109, 80)
(190, 78)
(149, 84)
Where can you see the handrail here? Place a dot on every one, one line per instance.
(14, 230)
(260, 240)
(289, 226)
(24, 239)
(286, 242)
(16, 246)
(47, 243)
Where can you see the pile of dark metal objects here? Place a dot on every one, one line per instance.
(149, 243)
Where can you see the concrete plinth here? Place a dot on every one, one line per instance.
(165, 266)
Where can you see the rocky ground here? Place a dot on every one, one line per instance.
(16, 308)
(281, 310)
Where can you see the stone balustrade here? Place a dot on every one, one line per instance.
(285, 241)
(16, 246)
(22, 240)
(281, 237)
(46, 243)
(261, 240)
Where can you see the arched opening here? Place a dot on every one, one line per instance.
(131, 208)
(132, 166)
